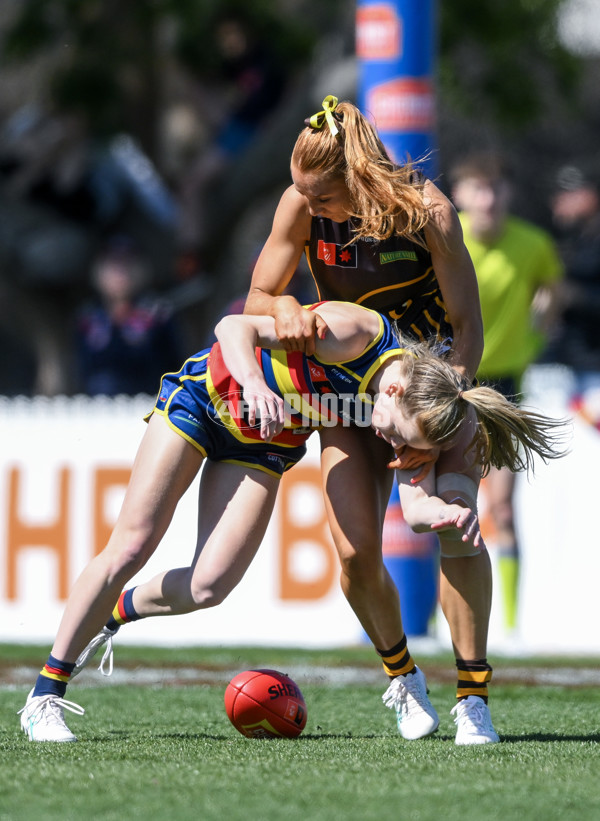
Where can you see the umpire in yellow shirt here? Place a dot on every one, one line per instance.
(517, 265)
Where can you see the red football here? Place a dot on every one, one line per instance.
(265, 704)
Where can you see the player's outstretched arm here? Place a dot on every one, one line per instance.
(424, 511)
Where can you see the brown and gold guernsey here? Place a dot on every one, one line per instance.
(394, 277)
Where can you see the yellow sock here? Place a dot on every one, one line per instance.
(508, 568)
(397, 661)
(473, 678)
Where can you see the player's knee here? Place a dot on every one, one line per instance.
(361, 565)
(456, 487)
(208, 595)
(126, 559)
(204, 597)
(130, 546)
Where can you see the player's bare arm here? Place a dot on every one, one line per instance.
(457, 279)
(350, 329)
(425, 511)
(238, 337)
(409, 458)
(296, 327)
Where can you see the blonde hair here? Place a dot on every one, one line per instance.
(386, 199)
(507, 435)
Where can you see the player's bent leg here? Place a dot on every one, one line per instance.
(236, 503)
(235, 508)
(164, 467)
(357, 485)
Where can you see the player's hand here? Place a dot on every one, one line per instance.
(408, 458)
(462, 519)
(297, 328)
(265, 410)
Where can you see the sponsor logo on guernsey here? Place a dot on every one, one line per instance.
(394, 256)
(340, 256)
(319, 379)
(317, 372)
(341, 376)
(276, 459)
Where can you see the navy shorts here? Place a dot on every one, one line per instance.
(184, 402)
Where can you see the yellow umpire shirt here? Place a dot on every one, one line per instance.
(509, 272)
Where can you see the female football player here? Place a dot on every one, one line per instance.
(378, 233)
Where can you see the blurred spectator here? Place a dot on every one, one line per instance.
(55, 193)
(517, 266)
(576, 343)
(61, 194)
(126, 339)
(250, 81)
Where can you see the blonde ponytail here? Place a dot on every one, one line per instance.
(507, 435)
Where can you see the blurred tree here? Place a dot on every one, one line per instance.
(499, 58)
(504, 61)
(110, 58)
(114, 69)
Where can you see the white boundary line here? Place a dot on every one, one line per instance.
(15, 678)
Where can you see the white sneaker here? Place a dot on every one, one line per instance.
(105, 636)
(43, 720)
(408, 696)
(473, 722)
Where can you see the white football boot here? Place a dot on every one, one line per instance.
(416, 715)
(42, 718)
(473, 722)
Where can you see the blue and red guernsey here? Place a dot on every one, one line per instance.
(316, 393)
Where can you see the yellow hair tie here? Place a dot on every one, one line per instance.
(329, 105)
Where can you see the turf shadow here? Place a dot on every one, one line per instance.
(549, 737)
(112, 735)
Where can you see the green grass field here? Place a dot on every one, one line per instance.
(164, 749)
